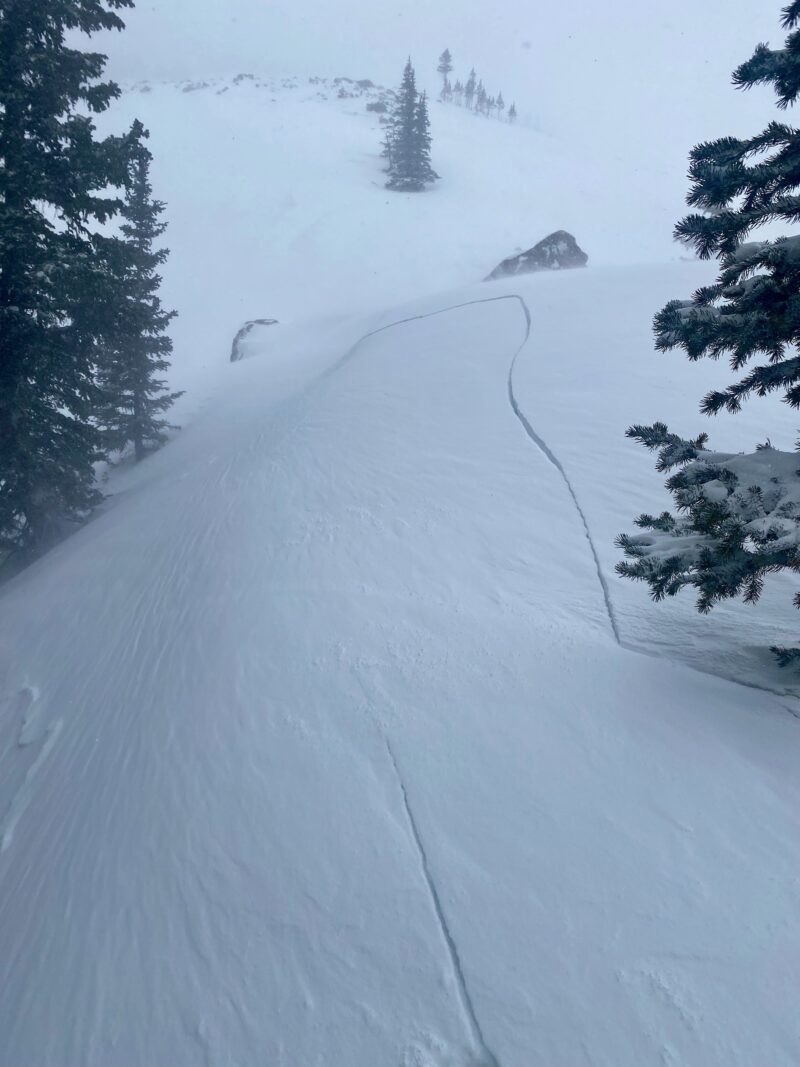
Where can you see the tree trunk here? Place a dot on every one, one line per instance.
(138, 437)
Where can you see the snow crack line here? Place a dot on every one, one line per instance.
(487, 1057)
(540, 443)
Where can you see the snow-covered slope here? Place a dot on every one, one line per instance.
(326, 743)
(277, 208)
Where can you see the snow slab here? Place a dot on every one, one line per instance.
(318, 747)
(595, 374)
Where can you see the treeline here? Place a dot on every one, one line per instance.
(472, 93)
(83, 342)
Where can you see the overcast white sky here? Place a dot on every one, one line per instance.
(645, 72)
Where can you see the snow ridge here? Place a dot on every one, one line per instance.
(487, 1057)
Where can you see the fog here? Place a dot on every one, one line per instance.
(652, 78)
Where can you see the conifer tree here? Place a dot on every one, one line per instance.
(480, 98)
(740, 515)
(458, 93)
(136, 345)
(390, 133)
(512, 113)
(470, 87)
(398, 145)
(501, 105)
(422, 142)
(410, 167)
(54, 175)
(445, 68)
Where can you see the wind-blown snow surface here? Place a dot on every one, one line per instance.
(317, 747)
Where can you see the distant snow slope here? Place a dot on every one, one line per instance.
(276, 206)
(318, 746)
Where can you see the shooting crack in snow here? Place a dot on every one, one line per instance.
(545, 449)
(487, 1057)
(526, 425)
(548, 452)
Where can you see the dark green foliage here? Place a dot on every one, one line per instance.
(53, 180)
(730, 537)
(408, 141)
(753, 309)
(136, 345)
(738, 520)
(786, 657)
(781, 69)
(397, 141)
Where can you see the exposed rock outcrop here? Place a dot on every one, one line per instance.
(237, 349)
(559, 251)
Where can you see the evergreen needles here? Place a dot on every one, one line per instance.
(739, 516)
(81, 329)
(407, 146)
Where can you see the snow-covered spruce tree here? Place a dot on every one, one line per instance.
(512, 113)
(445, 68)
(739, 515)
(410, 167)
(501, 105)
(136, 346)
(53, 180)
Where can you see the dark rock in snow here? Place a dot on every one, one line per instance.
(237, 351)
(559, 251)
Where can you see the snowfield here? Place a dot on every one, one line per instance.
(334, 739)
(276, 207)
